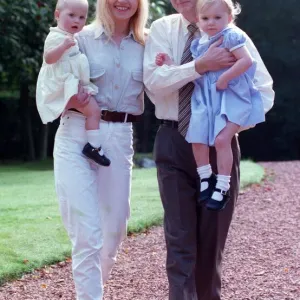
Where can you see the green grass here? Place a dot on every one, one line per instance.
(251, 173)
(31, 233)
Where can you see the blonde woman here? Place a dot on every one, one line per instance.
(94, 202)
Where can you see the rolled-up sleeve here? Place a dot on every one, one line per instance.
(262, 78)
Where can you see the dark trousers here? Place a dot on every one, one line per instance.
(195, 237)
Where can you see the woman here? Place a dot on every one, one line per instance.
(94, 201)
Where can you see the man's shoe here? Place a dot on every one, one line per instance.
(218, 205)
(94, 154)
(207, 193)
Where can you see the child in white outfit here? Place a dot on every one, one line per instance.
(63, 69)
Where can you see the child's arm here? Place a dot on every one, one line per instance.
(53, 55)
(243, 63)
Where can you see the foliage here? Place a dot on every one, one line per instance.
(159, 9)
(24, 27)
(273, 26)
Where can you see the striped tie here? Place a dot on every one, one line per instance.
(185, 93)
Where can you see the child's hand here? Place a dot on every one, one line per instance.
(79, 100)
(83, 97)
(222, 83)
(163, 59)
(69, 41)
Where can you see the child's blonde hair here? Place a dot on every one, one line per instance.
(233, 8)
(137, 23)
(61, 3)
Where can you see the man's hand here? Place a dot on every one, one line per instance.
(214, 59)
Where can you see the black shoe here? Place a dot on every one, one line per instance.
(207, 193)
(93, 153)
(218, 205)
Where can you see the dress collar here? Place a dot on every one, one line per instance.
(57, 29)
(206, 38)
(216, 36)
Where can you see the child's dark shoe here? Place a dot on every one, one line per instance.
(216, 205)
(206, 194)
(94, 154)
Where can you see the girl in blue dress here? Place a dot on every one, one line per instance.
(223, 101)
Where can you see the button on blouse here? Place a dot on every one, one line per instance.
(117, 71)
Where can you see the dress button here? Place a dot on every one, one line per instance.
(118, 65)
(116, 86)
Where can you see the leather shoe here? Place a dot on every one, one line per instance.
(94, 154)
(207, 193)
(216, 205)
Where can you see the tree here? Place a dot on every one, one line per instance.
(273, 26)
(24, 27)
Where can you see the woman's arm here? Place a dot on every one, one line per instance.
(242, 64)
(53, 55)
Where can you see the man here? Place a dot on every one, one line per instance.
(195, 237)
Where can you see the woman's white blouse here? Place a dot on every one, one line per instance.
(117, 71)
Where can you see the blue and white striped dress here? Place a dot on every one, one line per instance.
(240, 103)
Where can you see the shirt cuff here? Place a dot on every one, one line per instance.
(193, 67)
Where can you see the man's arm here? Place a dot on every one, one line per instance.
(169, 79)
(262, 78)
(164, 79)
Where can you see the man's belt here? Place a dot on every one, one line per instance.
(169, 123)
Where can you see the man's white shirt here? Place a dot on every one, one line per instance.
(169, 35)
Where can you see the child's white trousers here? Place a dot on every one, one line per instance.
(94, 201)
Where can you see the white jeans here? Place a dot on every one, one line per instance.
(94, 201)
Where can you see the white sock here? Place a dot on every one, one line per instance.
(94, 138)
(222, 184)
(204, 172)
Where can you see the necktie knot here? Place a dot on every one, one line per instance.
(192, 28)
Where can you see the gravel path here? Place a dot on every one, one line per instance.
(261, 261)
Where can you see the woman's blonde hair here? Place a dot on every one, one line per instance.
(233, 8)
(137, 22)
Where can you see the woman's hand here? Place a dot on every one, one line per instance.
(79, 100)
(214, 59)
